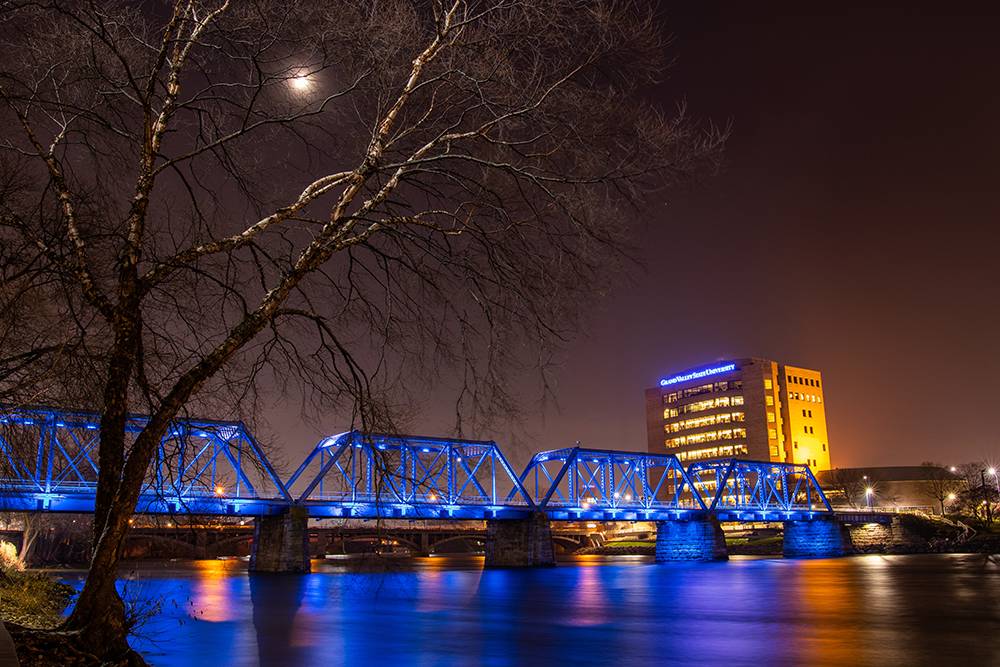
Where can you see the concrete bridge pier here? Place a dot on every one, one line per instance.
(817, 538)
(699, 539)
(519, 542)
(281, 542)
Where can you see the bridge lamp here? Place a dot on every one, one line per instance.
(869, 492)
(951, 497)
(219, 490)
(432, 497)
(992, 471)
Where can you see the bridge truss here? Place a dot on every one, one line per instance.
(368, 475)
(49, 461)
(741, 490)
(596, 484)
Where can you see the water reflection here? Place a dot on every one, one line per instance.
(275, 600)
(872, 610)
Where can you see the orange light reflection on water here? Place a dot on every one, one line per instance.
(211, 597)
(828, 597)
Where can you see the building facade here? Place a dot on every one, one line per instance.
(748, 408)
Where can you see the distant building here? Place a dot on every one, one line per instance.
(929, 488)
(748, 408)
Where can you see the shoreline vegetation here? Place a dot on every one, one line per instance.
(32, 604)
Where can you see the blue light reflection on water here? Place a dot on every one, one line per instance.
(867, 610)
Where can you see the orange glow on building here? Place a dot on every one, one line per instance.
(747, 408)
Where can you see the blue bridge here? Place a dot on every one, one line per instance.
(49, 463)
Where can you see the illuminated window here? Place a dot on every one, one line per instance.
(737, 400)
(768, 384)
(669, 413)
(774, 450)
(772, 434)
(769, 400)
(770, 416)
(713, 452)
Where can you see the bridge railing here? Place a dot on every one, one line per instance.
(377, 475)
(758, 486)
(50, 458)
(608, 481)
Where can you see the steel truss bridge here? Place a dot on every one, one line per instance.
(49, 462)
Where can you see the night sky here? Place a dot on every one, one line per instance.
(853, 230)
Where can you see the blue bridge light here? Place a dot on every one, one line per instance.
(365, 475)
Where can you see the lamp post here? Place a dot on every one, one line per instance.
(986, 500)
(869, 492)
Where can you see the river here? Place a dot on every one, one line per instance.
(863, 610)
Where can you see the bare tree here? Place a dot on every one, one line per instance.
(208, 196)
(939, 484)
(847, 483)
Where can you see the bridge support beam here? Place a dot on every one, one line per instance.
(817, 538)
(698, 539)
(519, 543)
(281, 543)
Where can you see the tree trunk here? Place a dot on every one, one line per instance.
(99, 614)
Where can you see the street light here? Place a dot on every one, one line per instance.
(996, 479)
(986, 501)
(869, 492)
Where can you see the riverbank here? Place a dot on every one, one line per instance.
(32, 599)
(31, 607)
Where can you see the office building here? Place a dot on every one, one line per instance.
(748, 408)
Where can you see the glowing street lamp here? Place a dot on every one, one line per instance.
(219, 490)
(869, 492)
